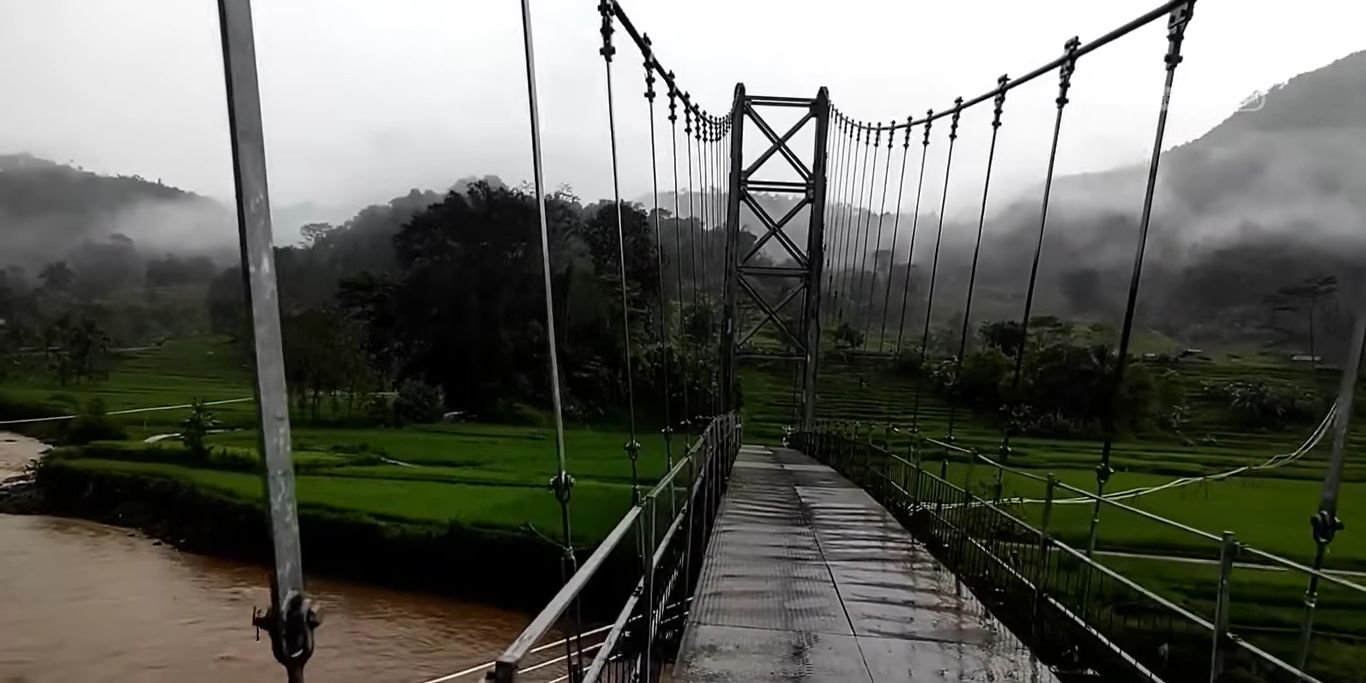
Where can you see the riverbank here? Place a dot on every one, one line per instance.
(503, 567)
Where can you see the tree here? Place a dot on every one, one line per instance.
(227, 303)
(699, 322)
(1305, 296)
(1005, 336)
(57, 276)
(1082, 287)
(75, 347)
(196, 427)
(634, 243)
(171, 270)
(846, 336)
(325, 357)
(316, 233)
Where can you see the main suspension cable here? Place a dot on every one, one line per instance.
(632, 446)
(934, 262)
(896, 232)
(915, 224)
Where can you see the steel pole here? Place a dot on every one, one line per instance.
(290, 620)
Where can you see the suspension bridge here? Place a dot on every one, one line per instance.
(843, 554)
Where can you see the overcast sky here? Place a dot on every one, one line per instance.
(364, 99)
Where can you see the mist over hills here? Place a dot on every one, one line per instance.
(1272, 197)
(48, 210)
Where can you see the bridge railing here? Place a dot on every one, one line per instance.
(1171, 621)
(665, 533)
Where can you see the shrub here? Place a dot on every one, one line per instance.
(846, 336)
(906, 362)
(1259, 404)
(982, 376)
(419, 402)
(93, 424)
(196, 427)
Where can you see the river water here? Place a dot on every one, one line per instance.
(83, 602)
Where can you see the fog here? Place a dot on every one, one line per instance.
(363, 100)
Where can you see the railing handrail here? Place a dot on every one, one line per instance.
(950, 497)
(549, 615)
(1282, 561)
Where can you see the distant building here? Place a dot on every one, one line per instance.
(1306, 358)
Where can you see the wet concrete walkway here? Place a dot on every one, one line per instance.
(807, 578)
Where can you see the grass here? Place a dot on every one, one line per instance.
(596, 506)
(479, 475)
(171, 374)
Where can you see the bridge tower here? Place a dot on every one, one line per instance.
(778, 273)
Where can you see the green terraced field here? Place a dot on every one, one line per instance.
(480, 475)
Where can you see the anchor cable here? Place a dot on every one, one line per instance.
(686, 420)
(881, 216)
(976, 254)
(915, 224)
(896, 232)
(666, 341)
(632, 446)
(934, 262)
(1065, 73)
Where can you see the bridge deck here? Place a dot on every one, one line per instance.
(808, 578)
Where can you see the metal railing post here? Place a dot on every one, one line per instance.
(1041, 567)
(1227, 551)
(690, 510)
(649, 583)
(915, 477)
(943, 479)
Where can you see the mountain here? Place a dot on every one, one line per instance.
(1272, 197)
(48, 210)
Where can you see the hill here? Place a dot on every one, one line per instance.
(1268, 199)
(47, 210)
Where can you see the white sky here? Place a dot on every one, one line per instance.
(364, 99)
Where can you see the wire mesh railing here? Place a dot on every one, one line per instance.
(667, 531)
(1220, 610)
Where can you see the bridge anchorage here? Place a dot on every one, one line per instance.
(842, 554)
